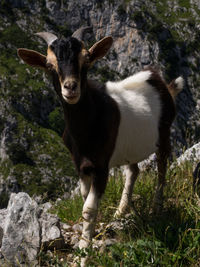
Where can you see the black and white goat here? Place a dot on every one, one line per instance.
(107, 125)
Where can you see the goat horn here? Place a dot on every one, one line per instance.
(47, 36)
(79, 34)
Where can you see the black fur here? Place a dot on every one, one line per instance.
(67, 51)
(92, 123)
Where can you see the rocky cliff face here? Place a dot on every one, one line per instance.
(162, 33)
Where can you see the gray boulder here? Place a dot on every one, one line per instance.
(26, 228)
(21, 231)
(192, 154)
(3, 214)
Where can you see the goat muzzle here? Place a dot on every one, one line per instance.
(71, 92)
(70, 86)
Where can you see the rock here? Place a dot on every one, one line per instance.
(196, 179)
(45, 207)
(21, 239)
(148, 164)
(26, 228)
(104, 243)
(1, 235)
(77, 227)
(115, 225)
(192, 154)
(74, 239)
(50, 231)
(66, 227)
(3, 214)
(76, 191)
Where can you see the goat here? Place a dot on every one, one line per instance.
(107, 125)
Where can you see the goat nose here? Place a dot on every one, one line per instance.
(70, 85)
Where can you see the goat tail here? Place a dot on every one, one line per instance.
(176, 86)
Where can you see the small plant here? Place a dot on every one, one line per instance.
(56, 120)
(69, 210)
(121, 11)
(171, 239)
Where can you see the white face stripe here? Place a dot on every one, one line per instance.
(140, 110)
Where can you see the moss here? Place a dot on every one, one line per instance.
(5, 8)
(34, 174)
(105, 73)
(137, 15)
(121, 10)
(5, 167)
(13, 35)
(38, 158)
(155, 28)
(167, 16)
(184, 3)
(64, 30)
(56, 120)
(18, 154)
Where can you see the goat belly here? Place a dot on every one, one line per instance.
(138, 133)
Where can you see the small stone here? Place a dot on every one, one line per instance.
(1, 255)
(46, 206)
(77, 228)
(115, 225)
(76, 245)
(109, 242)
(74, 239)
(66, 227)
(58, 200)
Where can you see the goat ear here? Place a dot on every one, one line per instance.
(100, 49)
(32, 58)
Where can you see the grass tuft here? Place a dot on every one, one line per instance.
(171, 239)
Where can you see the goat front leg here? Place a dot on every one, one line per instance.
(85, 183)
(86, 174)
(131, 172)
(90, 209)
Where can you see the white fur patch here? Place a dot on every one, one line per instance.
(134, 82)
(140, 109)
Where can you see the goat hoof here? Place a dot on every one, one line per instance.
(119, 213)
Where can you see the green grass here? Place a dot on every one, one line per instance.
(69, 211)
(171, 239)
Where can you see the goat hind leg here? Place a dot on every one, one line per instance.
(131, 172)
